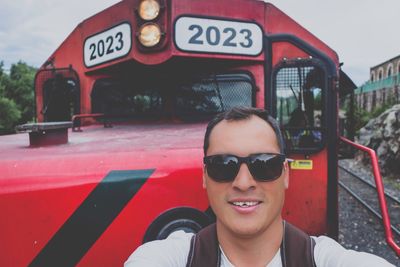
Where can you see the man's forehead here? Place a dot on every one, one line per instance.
(253, 121)
(246, 128)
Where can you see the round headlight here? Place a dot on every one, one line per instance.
(149, 9)
(149, 34)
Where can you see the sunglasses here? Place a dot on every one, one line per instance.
(263, 167)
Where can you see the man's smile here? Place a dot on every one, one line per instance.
(244, 206)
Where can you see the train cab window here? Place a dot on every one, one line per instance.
(117, 97)
(189, 99)
(300, 93)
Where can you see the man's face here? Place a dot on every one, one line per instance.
(242, 138)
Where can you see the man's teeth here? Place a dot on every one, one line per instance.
(245, 203)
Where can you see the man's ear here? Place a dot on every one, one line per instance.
(204, 177)
(286, 174)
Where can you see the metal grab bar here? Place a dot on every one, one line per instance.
(77, 128)
(381, 193)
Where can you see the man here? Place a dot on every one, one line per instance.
(245, 174)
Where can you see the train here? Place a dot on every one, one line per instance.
(115, 157)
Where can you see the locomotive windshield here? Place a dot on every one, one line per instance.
(162, 97)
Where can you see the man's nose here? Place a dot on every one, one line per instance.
(244, 180)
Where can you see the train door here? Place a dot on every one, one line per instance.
(300, 95)
(60, 92)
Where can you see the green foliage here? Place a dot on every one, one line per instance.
(3, 79)
(21, 89)
(380, 109)
(10, 115)
(16, 96)
(361, 117)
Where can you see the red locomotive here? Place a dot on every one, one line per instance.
(154, 72)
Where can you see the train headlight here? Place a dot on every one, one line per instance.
(149, 34)
(149, 9)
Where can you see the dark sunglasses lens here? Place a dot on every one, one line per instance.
(222, 168)
(266, 167)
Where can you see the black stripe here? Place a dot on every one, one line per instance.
(91, 218)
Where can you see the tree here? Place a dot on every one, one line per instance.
(16, 96)
(10, 115)
(21, 89)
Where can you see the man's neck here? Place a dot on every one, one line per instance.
(257, 250)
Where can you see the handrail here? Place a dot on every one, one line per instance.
(381, 193)
(80, 116)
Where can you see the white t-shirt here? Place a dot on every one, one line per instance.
(173, 252)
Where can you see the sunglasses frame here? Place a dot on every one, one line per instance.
(247, 160)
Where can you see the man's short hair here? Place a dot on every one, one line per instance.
(243, 113)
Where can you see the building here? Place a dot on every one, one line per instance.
(383, 86)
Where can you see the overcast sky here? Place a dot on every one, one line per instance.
(363, 32)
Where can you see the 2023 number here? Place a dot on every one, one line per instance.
(105, 47)
(213, 36)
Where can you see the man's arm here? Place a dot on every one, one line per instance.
(171, 252)
(329, 253)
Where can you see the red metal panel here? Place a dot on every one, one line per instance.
(163, 192)
(306, 198)
(31, 217)
(40, 189)
(283, 51)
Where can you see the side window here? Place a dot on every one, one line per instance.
(60, 98)
(300, 93)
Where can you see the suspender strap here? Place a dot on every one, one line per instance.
(204, 249)
(297, 248)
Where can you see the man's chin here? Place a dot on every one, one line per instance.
(247, 228)
(244, 229)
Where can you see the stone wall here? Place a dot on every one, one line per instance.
(383, 135)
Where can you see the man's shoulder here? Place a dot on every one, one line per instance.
(328, 252)
(172, 251)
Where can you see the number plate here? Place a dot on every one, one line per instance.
(107, 45)
(218, 36)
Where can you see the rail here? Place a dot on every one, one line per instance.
(369, 184)
(381, 193)
(77, 128)
(363, 202)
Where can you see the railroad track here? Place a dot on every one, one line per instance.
(365, 193)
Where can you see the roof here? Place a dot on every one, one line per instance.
(346, 84)
(383, 63)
